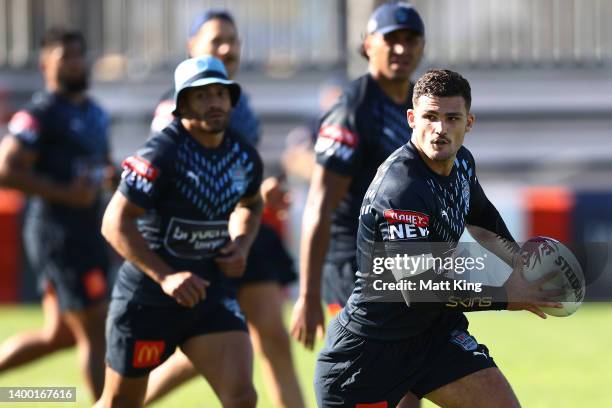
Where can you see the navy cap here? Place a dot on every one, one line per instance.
(395, 16)
(206, 16)
(201, 71)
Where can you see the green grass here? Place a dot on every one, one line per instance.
(559, 362)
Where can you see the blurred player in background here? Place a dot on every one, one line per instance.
(269, 267)
(58, 153)
(355, 136)
(184, 218)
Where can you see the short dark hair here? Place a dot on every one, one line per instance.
(442, 83)
(62, 36)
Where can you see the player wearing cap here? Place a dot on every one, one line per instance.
(58, 153)
(269, 267)
(382, 346)
(355, 136)
(184, 217)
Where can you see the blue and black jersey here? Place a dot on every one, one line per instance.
(70, 140)
(408, 206)
(189, 192)
(355, 136)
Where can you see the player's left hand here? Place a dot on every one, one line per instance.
(275, 194)
(232, 260)
(530, 296)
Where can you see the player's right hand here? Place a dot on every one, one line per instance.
(307, 320)
(185, 287)
(80, 193)
(524, 295)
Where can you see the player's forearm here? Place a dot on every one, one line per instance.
(123, 235)
(503, 248)
(33, 184)
(316, 227)
(488, 228)
(244, 224)
(432, 292)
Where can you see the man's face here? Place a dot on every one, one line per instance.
(208, 104)
(66, 65)
(395, 55)
(439, 125)
(219, 38)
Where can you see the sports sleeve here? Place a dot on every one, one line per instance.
(483, 214)
(256, 169)
(26, 126)
(148, 173)
(405, 216)
(339, 146)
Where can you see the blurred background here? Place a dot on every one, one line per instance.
(541, 76)
(539, 70)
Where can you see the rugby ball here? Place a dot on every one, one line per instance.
(542, 255)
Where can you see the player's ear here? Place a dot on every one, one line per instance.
(367, 44)
(410, 117)
(470, 122)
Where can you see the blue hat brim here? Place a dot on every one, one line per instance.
(234, 89)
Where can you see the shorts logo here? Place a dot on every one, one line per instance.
(381, 404)
(406, 224)
(148, 353)
(139, 174)
(95, 283)
(464, 340)
(25, 124)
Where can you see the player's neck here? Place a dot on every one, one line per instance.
(210, 140)
(397, 90)
(76, 98)
(441, 168)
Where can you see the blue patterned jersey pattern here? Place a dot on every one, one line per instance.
(189, 192)
(71, 141)
(355, 136)
(410, 205)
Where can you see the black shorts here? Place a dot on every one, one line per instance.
(268, 261)
(353, 370)
(76, 267)
(140, 337)
(338, 281)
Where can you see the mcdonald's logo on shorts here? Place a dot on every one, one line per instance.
(148, 353)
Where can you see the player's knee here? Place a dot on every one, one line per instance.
(240, 397)
(59, 338)
(271, 332)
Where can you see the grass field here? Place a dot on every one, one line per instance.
(560, 362)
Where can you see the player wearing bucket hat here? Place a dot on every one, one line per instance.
(184, 218)
(201, 71)
(261, 290)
